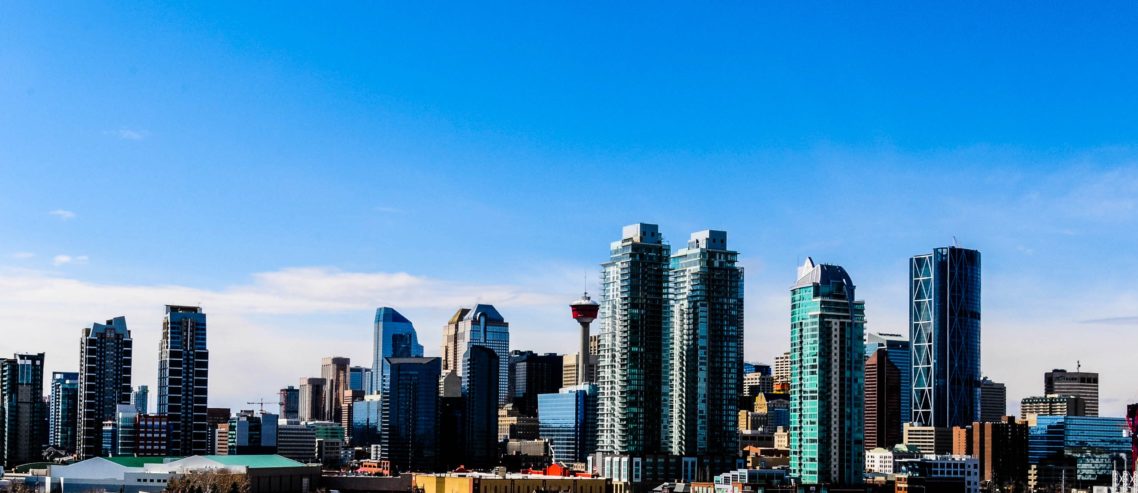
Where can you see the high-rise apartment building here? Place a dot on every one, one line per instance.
(1077, 383)
(63, 411)
(1052, 405)
(480, 326)
(944, 330)
(22, 409)
(630, 375)
(290, 403)
(311, 399)
(993, 401)
(827, 368)
(782, 368)
(883, 396)
(394, 337)
(1000, 446)
(334, 371)
(532, 374)
(106, 352)
(703, 349)
(139, 398)
(900, 355)
(183, 380)
(410, 414)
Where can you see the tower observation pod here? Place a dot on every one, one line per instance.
(584, 312)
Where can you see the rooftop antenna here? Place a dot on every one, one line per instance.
(1078, 366)
(954, 242)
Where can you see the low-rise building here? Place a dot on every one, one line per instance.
(265, 473)
(941, 467)
(507, 483)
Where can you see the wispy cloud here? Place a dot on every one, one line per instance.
(1128, 320)
(68, 259)
(62, 214)
(22, 255)
(129, 134)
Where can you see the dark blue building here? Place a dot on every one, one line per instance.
(183, 380)
(1083, 448)
(944, 332)
(481, 409)
(366, 418)
(568, 420)
(410, 414)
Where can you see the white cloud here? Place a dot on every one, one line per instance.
(22, 255)
(68, 259)
(62, 214)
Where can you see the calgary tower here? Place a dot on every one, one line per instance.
(584, 312)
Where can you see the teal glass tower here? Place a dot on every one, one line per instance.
(827, 366)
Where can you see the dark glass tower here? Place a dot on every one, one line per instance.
(944, 329)
(24, 412)
(104, 380)
(63, 412)
(532, 374)
(481, 396)
(630, 372)
(882, 401)
(183, 380)
(410, 414)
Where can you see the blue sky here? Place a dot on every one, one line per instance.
(290, 168)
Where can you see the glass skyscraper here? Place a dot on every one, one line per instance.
(410, 414)
(900, 354)
(703, 354)
(394, 337)
(630, 376)
(1089, 445)
(827, 364)
(568, 421)
(22, 410)
(480, 326)
(106, 359)
(944, 330)
(183, 380)
(63, 412)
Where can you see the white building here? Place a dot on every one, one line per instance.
(879, 460)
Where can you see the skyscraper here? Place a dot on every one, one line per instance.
(290, 403)
(311, 397)
(23, 410)
(139, 399)
(532, 374)
(1077, 383)
(410, 414)
(568, 420)
(481, 397)
(183, 380)
(394, 337)
(900, 355)
(883, 396)
(944, 329)
(782, 367)
(827, 365)
(106, 352)
(63, 411)
(480, 326)
(630, 375)
(993, 401)
(334, 371)
(703, 354)
(360, 379)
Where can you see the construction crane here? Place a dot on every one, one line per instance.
(262, 403)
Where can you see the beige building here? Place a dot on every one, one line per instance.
(929, 439)
(509, 483)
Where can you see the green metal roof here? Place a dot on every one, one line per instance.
(139, 461)
(254, 461)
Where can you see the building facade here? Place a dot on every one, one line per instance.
(334, 371)
(394, 337)
(944, 331)
(629, 375)
(410, 414)
(827, 368)
(883, 396)
(703, 348)
(993, 401)
(1052, 405)
(1000, 447)
(22, 409)
(311, 399)
(290, 403)
(106, 352)
(479, 326)
(481, 410)
(63, 411)
(900, 355)
(568, 420)
(183, 380)
(1077, 383)
(532, 374)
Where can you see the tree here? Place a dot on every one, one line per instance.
(214, 481)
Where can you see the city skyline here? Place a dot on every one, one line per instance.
(309, 179)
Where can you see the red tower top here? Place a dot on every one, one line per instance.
(585, 309)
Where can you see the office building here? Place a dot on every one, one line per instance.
(567, 420)
(106, 352)
(360, 379)
(151, 435)
(629, 375)
(782, 368)
(755, 383)
(703, 349)
(290, 403)
(481, 395)
(296, 441)
(334, 371)
(827, 371)
(927, 439)
(900, 355)
(251, 434)
(1076, 449)
(216, 417)
(1132, 424)
(513, 425)
(532, 374)
(480, 326)
(1000, 447)
(883, 396)
(183, 380)
(1078, 383)
(311, 399)
(22, 409)
(410, 410)
(1052, 405)
(63, 411)
(569, 373)
(944, 331)
(366, 419)
(993, 401)
(921, 474)
(394, 337)
(122, 432)
(452, 426)
(139, 398)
